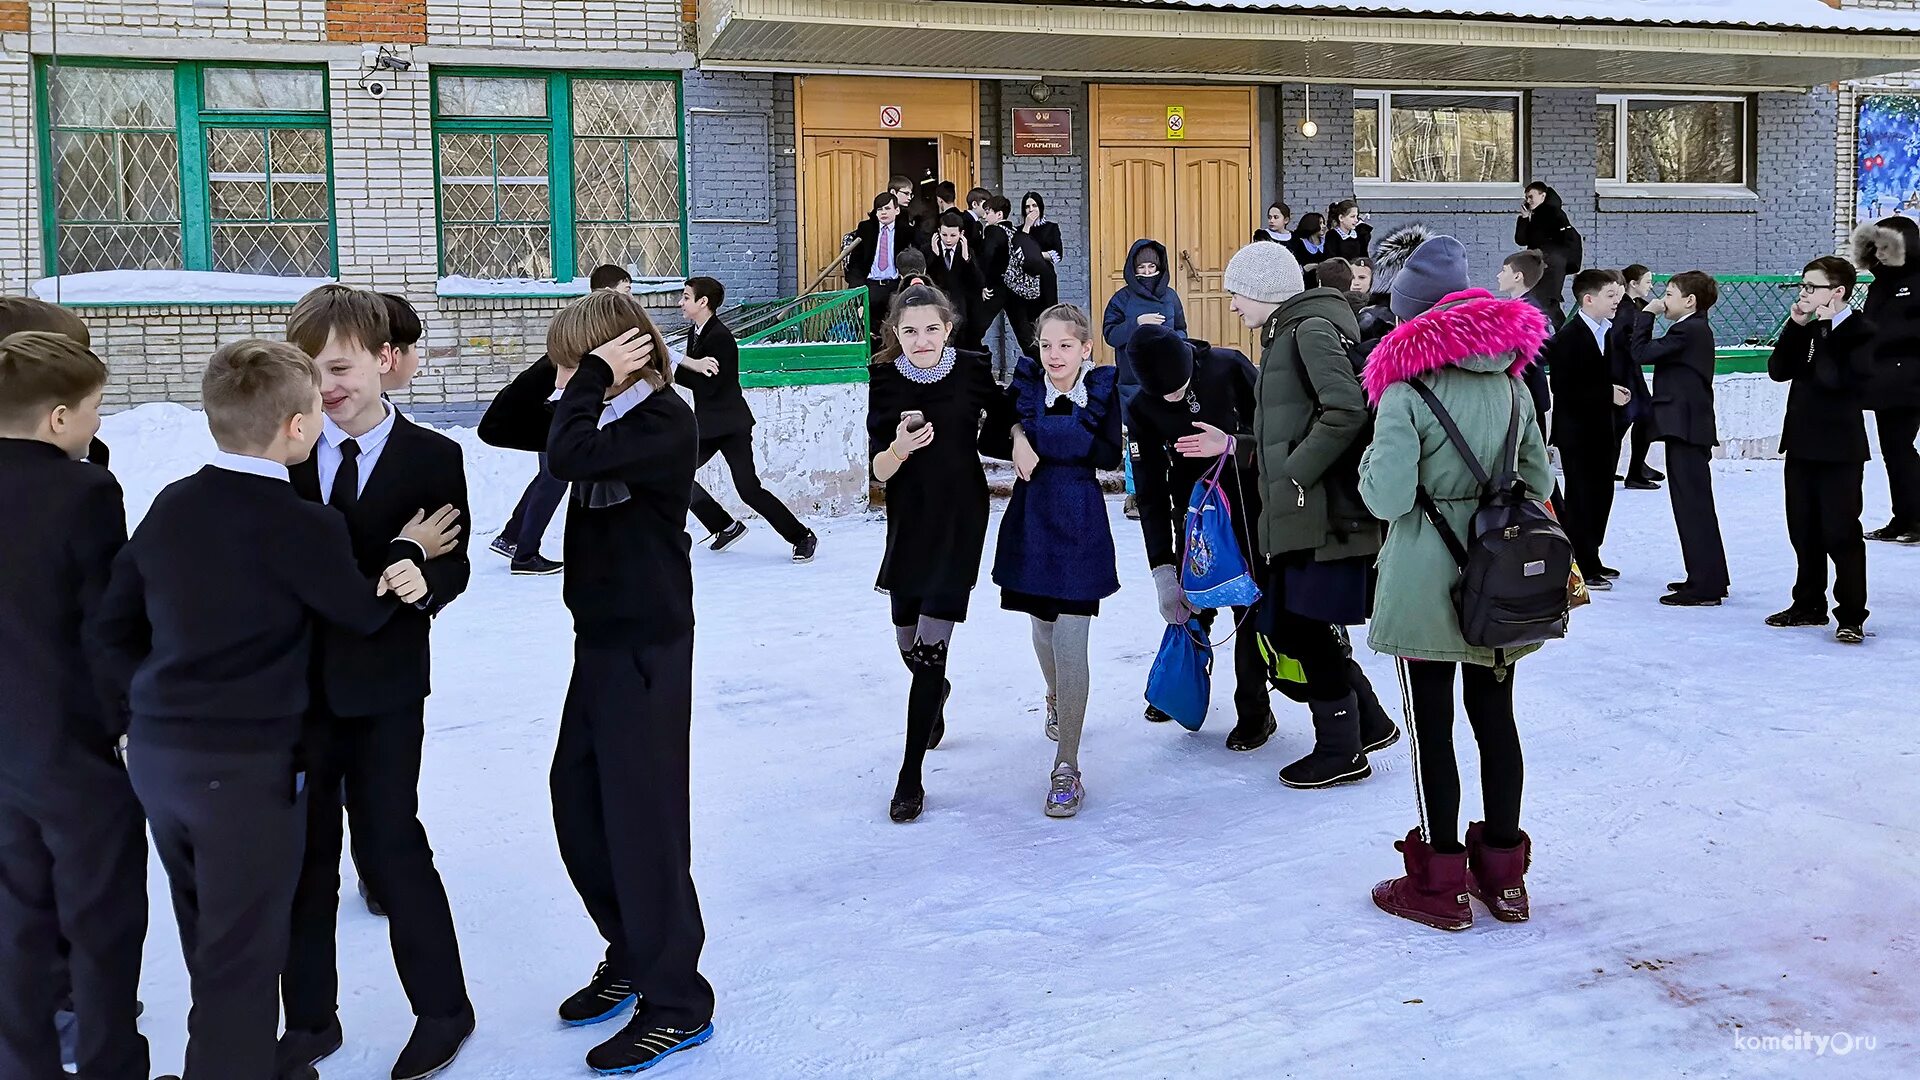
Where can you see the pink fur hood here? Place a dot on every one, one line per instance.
(1472, 329)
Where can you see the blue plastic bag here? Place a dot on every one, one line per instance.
(1213, 570)
(1181, 682)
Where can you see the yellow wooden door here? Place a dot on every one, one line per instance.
(956, 163)
(1136, 186)
(1213, 197)
(842, 175)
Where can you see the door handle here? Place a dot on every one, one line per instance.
(1186, 261)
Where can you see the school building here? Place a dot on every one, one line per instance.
(180, 170)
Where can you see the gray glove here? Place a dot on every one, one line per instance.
(1173, 599)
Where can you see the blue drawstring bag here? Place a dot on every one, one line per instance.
(1213, 571)
(1181, 682)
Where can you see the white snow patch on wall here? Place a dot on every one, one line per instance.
(457, 287)
(173, 287)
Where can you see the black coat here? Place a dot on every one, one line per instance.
(418, 471)
(1046, 237)
(1222, 389)
(65, 523)
(990, 255)
(1582, 381)
(1548, 231)
(1827, 366)
(1893, 305)
(1682, 363)
(718, 402)
(860, 260)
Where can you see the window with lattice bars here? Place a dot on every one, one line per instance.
(125, 140)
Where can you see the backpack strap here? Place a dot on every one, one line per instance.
(1509, 455)
(1459, 441)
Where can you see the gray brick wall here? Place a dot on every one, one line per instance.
(1318, 172)
(740, 184)
(1061, 181)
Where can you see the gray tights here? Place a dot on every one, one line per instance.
(1061, 646)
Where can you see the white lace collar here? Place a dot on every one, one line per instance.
(926, 376)
(1077, 392)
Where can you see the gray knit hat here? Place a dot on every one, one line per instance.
(1437, 268)
(1264, 272)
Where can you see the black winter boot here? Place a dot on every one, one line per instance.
(1377, 729)
(1336, 756)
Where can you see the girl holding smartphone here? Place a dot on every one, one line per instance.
(925, 401)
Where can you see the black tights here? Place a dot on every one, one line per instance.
(1426, 687)
(923, 640)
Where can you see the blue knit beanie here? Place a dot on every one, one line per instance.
(1436, 269)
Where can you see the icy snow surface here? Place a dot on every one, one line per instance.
(1723, 817)
(173, 287)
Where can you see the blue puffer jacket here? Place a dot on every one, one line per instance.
(1055, 540)
(1140, 297)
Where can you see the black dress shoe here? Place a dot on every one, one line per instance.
(728, 536)
(1607, 572)
(1156, 716)
(1691, 599)
(1797, 617)
(1637, 484)
(906, 806)
(1599, 583)
(535, 566)
(805, 549)
(1676, 586)
(300, 1048)
(435, 1043)
(1246, 736)
(373, 906)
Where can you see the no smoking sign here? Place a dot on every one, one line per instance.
(890, 116)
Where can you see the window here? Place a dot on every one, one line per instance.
(1452, 138)
(186, 166)
(1688, 144)
(546, 176)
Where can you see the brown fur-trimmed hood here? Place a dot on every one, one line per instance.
(1884, 244)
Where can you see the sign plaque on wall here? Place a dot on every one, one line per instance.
(890, 117)
(1043, 133)
(1176, 122)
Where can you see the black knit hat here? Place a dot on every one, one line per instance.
(1162, 360)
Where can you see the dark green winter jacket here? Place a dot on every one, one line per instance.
(1305, 431)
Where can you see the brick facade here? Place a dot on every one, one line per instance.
(1845, 162)
(395, 21)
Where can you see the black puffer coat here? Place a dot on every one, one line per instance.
(1888, 249)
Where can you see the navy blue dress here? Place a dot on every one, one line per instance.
(1055, 555)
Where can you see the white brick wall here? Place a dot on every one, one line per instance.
(282, 20)
(557, 24)
(19, 175)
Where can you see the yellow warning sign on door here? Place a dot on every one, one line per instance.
(1176, 122)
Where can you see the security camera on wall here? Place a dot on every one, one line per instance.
(375, 88)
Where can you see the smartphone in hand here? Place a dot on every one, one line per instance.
(914, 419)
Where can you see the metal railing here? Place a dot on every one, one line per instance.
(1753, 307)
(822, 338)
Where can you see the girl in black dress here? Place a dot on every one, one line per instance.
(925, 401)
(1276, 232)
(1347, 236)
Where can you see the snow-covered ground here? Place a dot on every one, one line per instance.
(1723, 815)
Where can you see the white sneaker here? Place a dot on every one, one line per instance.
(1065, 794)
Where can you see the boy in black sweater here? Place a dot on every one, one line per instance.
(628, 445)
(205, 632)
(712, 373)
(73, 849)
(383, 475)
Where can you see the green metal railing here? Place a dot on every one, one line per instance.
(1747, 318)
(806, 341)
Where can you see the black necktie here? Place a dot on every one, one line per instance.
(346, 483)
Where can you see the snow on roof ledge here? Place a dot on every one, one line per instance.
(1772, 14)
(173, 287)
(458, 287)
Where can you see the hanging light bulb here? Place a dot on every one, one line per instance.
(1308, 129)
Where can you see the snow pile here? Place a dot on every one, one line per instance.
(1720, 856)
(173, 287)
(458, 287)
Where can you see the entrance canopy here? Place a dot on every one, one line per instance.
(1638, 44)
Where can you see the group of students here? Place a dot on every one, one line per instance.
(253, 663)
(991, 266)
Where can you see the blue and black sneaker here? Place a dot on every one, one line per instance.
(642, 1044)
(598, 1001)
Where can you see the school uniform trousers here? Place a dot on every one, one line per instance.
(1582, 377)
(726, 430)
(363, 740)
(73, 850)
(1682, 364)
(1824, 439)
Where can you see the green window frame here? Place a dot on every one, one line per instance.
(203, 165)
(613, 187)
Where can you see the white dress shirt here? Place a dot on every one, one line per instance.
(253, 466)
(327, 456)
(1600, 327)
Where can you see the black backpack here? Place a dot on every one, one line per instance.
(1514, 567)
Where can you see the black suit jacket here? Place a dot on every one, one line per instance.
(961, 281)
(64, 526)
(418, 470)
(1582, 381)
(860, 261)
(718, 403)
(990, 257)
(1827, 366)
(1682, 363)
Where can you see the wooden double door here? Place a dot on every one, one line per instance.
(843, 174)
(1196, 195)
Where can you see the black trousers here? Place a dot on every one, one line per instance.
(370, 766)
(1690, 487)
(73, 864)
(1640, 440)
(1250, 701)
(622, 812)
(1588, 497)
(528, 522)
(228, 827)
(1020, 316)
(1426, 688)
(737, 449)
(1823, 523)
(1898, 430)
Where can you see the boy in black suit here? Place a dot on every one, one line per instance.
(950, 264)
(1581, 363)
(711, 372)
(205, 631)
(382, 474)
(1521, 277)
(1682, 364)
(1823, 352)
(73, 848)
(620, 772)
